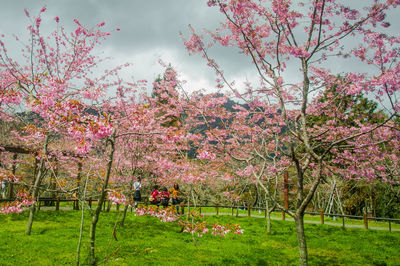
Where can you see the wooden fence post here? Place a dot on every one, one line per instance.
(390, 226)
(58, 204)
(248, 210)
(322, 217)
(283, 216)
(343, 222)
(232, 210)
(90, 202)
(365, 221)
(216, 209)
(200, 210)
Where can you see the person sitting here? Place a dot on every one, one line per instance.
(155, 196)
(164, 197)
(244, 206)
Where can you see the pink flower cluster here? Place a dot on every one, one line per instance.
(15, 207)
(165, 215)
(222, 230)
(206, 155)
(18, 205)
(198, 227)
(196, 224)
(232, 196)
(7, 176)
(27, 202)
(117, 198)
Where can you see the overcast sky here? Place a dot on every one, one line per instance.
(149, 32)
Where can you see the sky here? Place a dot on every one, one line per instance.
(149, 31)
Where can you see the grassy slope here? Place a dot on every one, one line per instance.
(145, 240)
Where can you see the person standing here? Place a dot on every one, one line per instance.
(175, 196)
(137, 195)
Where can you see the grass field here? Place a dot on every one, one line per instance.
(145, 241)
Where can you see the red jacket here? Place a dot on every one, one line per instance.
(156, 195)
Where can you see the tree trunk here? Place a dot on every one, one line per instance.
(127, 205)
(124, 215)
(108, 206)
(82, 200)
(95, 217)
(92, 238)
(78, 184)
(36, 187)
(268, 216)
(301, 238)
(14, 170)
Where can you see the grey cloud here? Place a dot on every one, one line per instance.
(148, 27)
(145, 26)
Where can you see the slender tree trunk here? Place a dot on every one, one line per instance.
(53, 184)
(127, 205)
(14, 170)
(95, 217)
(301, 238)
(36, 187)
(124, 215)
(268, 222)
(35, 171)
(268, 217)
(78, 184)
(108, 206)
(82, 200)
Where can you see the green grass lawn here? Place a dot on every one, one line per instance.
(145, 240)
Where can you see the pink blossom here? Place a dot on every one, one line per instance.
(38, 20)
(77, 22)
(26, 12)
(206, 155)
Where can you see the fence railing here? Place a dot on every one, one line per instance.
(56, 202)
(322, 215)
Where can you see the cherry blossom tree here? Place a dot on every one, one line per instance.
(292, 46)
(55, 82)
(142, 137)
